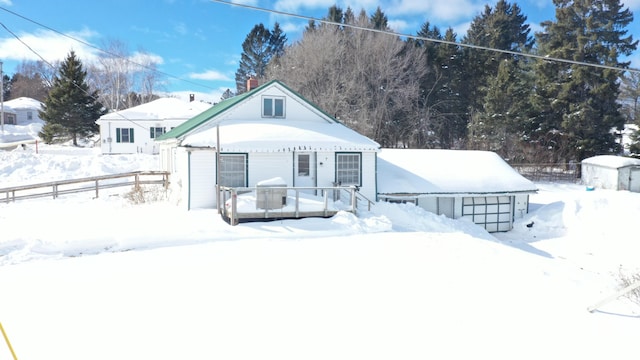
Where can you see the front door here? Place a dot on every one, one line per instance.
(305, 170)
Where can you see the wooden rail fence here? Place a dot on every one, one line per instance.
(94, 183)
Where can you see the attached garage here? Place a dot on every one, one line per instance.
(611, 172)
(475, 185)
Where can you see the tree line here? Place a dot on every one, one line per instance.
(432, 92)
(427, 91)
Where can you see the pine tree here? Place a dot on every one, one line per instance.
(502, 27)
(379, 20)
(258, 49)
(577, 104)
(70, 109)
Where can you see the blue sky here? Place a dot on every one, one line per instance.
(198, 42)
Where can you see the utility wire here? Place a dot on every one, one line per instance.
(73, 82)
(105, 51)
(415, 37)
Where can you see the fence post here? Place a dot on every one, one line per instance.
(6, 339)
(97, 187)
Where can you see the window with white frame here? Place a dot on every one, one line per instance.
(29, 115)
(124, 135)
(348, 168)
(304, 168)
(273, 106)
(233, 170)
(154, 132)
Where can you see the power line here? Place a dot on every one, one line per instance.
(415, 37)
(104, 51)
(53, 67)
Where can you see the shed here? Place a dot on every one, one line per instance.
(476, 185)
(611, 172)
(134, 130)
(268, 132)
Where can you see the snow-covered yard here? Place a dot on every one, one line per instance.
(84, 278)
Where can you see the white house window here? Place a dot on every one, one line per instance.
(154, 132)
(273, 107)
(303, 164)
(124, 135)
(29, 115)
(233, 170)
(348, 169)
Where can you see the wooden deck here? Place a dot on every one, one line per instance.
(277, 203)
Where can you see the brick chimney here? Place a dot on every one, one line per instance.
(252, 83)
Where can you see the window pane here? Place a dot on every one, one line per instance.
(279, 108)
(348, 169)
(125, 135)
(303, 164)
(232, 170)
(267, 107)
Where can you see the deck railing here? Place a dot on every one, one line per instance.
(271, 202)
(54, 189)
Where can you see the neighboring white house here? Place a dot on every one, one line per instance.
(611, 172)
(26, 110)
(133, 130)
(477, 185)
(267, 132)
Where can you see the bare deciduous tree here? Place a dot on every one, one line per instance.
(367, 80)
(124, 79)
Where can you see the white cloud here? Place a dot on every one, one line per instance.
(211, 75)
(398, 25)
(6, 2)
(47, 45)
(180, 28)
(146, 58)
(449, 10)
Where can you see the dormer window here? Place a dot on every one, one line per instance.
(273, 106)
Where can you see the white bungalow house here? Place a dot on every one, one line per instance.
(476, 185)
(26, 110)
(133, 130)
(268, 132)
(611, 172)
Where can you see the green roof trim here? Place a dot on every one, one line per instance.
(202, 118)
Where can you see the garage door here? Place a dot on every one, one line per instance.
(491, 212)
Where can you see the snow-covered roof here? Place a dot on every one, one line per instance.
(23, 103)
(421, 171)
(611, 161)
(279, 135)
(160, 109)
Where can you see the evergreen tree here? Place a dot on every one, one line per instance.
(379, 20)
(505, 120)
(576, 104)
(70, 109)
(258, 49)
(502, 27)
